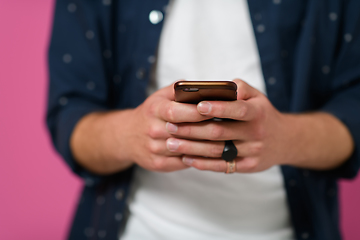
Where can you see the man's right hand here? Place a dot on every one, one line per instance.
(108, 142)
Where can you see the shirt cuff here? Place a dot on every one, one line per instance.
(346, 107)
(61, 126)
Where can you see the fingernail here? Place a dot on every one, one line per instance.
(171, 128)
(172, 144)
(187, 160)
(204, 107)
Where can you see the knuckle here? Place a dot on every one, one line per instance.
(241, 84)
(216, 132)
(256, 148)
(170, 113)
(151, 110)
(184, 147)
(220, 109)
(154, 132)
(199, 166)
(216, 151)
(259, 132)
(185, 130)
(158, 164)
(147, 146)
(153, 147)
(243, 111)
(261, 113)
(219, 166)
(251, 165)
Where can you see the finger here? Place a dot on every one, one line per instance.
(168, 92)
(159, 147)
(197, 148)
(248, 165)
(244, 90)
(167, 164)
(238, 110)
(205, 164)
(157, 130)
(214, 131)
(243, 165)
(175, 112)
(211, 149)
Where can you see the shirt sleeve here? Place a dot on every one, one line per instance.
(80, 64)
(346, 107)
(345, 103)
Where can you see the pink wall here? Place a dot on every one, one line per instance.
(37, 191)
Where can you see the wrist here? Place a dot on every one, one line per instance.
(316, 140)
(288, 135)
(95, 143)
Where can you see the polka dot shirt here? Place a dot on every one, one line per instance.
(101, 56)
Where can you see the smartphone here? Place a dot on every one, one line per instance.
(197, 91)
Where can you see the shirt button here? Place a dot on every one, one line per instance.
(101, 233)
(89, 232)
(107, 53)
(140, 73)
(90, 85)
(325, 69)
(348, 37)
(258, 16)
(272, 81)
(63, 101)
(305, 235)
(100, 200)
(118, 216)
(155, 17)
(67, 58)
(260, 28)
(119, 194)
(72, 7)
(151, 59)
(292, 183)
(333, 16)
(90, 34)
(89, 182)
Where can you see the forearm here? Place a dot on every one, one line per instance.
(96, 144)
(317, 141)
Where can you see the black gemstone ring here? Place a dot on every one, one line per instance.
(230, 152)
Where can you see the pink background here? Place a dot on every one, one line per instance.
(37, 191)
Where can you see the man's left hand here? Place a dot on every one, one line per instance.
(263, 136)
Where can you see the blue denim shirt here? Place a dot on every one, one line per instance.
(100, 59)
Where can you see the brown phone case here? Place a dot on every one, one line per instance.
(197, 91)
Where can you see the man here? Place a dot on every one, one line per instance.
(101, 58)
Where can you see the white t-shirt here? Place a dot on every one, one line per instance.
(208, 39)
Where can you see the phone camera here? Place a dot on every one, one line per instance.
(190, 89)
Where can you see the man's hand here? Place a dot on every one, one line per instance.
(263, 136)
(148, 135)
(109, 142)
